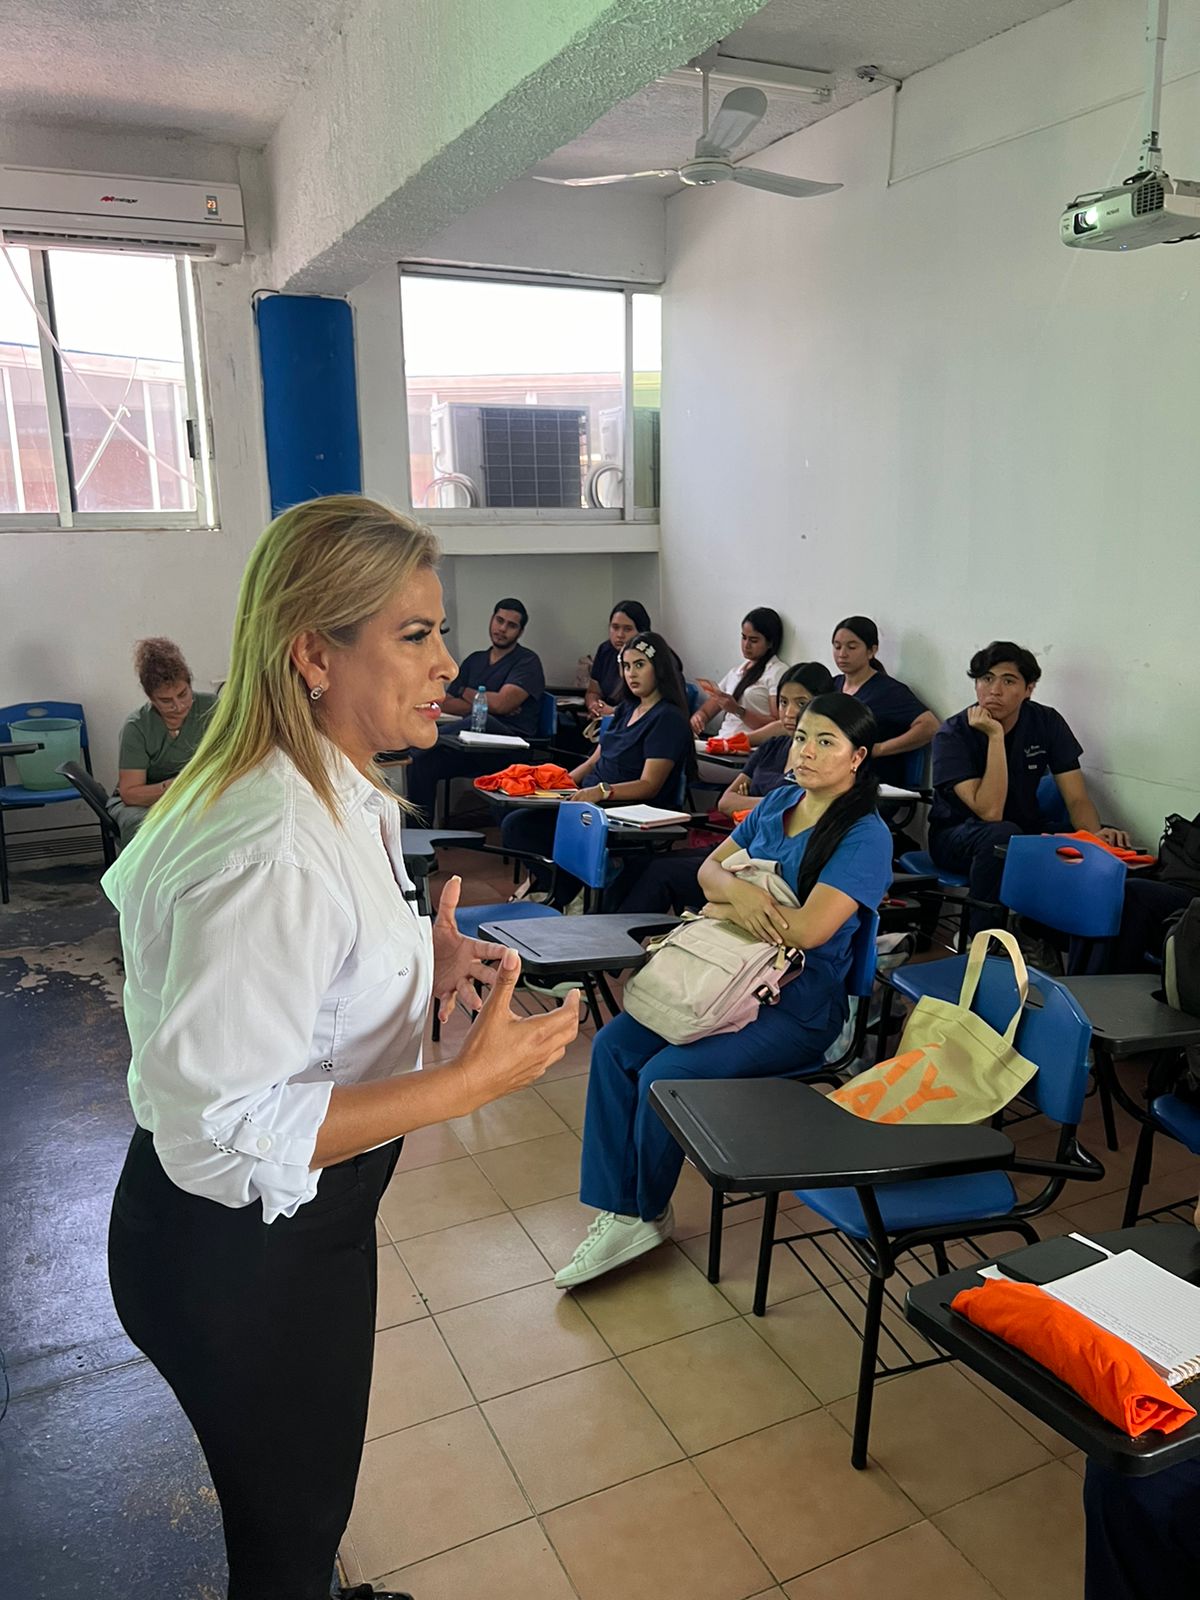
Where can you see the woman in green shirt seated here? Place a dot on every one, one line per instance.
(160, 738)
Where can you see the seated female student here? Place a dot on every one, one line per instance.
(835, 852)
(626, 618)
(160, 738)
(643, 756)
(672, 882)
(746, 694)
(904, 723)
(987, 763)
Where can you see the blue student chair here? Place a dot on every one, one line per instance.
(860, 986)
(1055, 816)
(580, 848)
(15, 796)
(1080, 894)
(547, 723)
(881, 1223)
(1179, 1120)
(695, 697)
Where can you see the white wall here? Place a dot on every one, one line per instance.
(912, 401)
(75, 602)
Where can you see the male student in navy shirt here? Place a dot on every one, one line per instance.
(987, 763)
(514, 682)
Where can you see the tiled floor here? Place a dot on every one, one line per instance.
(646, 1438)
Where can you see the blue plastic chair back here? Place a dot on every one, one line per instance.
(1052, 806)
(1053, 1033)
(1079, 894)
(581, 843)
(695, 698)
(547, 723)
(916, 769)
(30, 710)
(860, 980)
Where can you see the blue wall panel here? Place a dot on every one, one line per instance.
(310, 398)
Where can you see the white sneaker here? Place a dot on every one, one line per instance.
(611, 1242)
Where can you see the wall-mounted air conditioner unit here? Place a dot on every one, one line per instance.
(100, 211)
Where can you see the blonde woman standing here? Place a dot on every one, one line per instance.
(278, 983)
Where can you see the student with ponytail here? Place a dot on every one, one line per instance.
(905, 724)
(835, 852)
(747, 692)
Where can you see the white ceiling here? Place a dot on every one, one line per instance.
(224, 69)
(659, 126)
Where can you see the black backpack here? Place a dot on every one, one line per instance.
(1179, 852)
(1181, 985)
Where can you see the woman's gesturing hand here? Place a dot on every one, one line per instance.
(458, 962)
(504, 1051)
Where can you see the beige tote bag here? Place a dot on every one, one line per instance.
(952, 1066)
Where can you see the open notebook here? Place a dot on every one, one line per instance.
(647, 816)
(1150, 1308)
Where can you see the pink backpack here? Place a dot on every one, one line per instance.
(706, 976)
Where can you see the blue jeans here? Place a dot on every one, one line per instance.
(1143, 1534)
(631, 1163)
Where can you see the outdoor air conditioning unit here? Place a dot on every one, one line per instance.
(518, 456)
(99, 211)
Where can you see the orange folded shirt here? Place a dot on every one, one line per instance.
(1131, 858)
(522, 780)
(737, 745)
(1110, 1375)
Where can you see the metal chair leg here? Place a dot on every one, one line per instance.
(716, 1223)
(765, 1245)
(1139, 1175)
(589, 990)
(941, 1259)
(866, 1373)
(3, 862)
(610, 999)
(1104, 1072)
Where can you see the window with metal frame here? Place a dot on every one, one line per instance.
(102, 419)
(530, 397)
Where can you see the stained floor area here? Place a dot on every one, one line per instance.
(643, 1439)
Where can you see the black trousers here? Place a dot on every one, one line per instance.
(1148, 905)
(266, 1334)
(1143, 1534)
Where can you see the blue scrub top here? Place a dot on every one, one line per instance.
(662, 734)
(860, 867)
(895, 708)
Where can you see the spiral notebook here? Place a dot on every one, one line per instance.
(1150, 1308)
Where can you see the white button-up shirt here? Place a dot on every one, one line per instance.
(270, 953)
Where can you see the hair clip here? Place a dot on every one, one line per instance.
(644, 649)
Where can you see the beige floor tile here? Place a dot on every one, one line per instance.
(520, 1338)
(717, 1384)
(573, 1435)
(399, 1300)
(456, 1266)
(415, 1378)
(382, 1236)
(515, 1118)
(426, 1147)
(792, 1491)
(1095, 1215)
(1053, 1443)
(739, 1262)
(662, 1537)
(517, 1563)
(915, 1564)
(692, 1204)
(1025, 1536)
(437, 1197)
(429, 1488)
(657, 1297)
(556, 1227)
(1077, 1462)
(926, 1429)
(567, 1098)
(823, 1348)
(539, 1169)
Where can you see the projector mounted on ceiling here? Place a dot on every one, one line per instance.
(1149, 207)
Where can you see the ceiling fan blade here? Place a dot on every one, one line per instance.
(611, 177)
(776, 183)
(738, 115)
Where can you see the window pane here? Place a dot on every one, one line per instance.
(118, 321)
(26, 463)
(647, 396)
(515, 393)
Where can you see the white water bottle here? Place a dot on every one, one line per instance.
(479, 710)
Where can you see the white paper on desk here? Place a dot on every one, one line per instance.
(1150, 1308)
(889, 791)
(494, 740)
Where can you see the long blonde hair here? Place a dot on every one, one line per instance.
(326, 566)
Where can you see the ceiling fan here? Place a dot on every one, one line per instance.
(737, 117)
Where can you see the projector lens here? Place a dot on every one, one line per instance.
(1085, 221)
(1091, 216)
